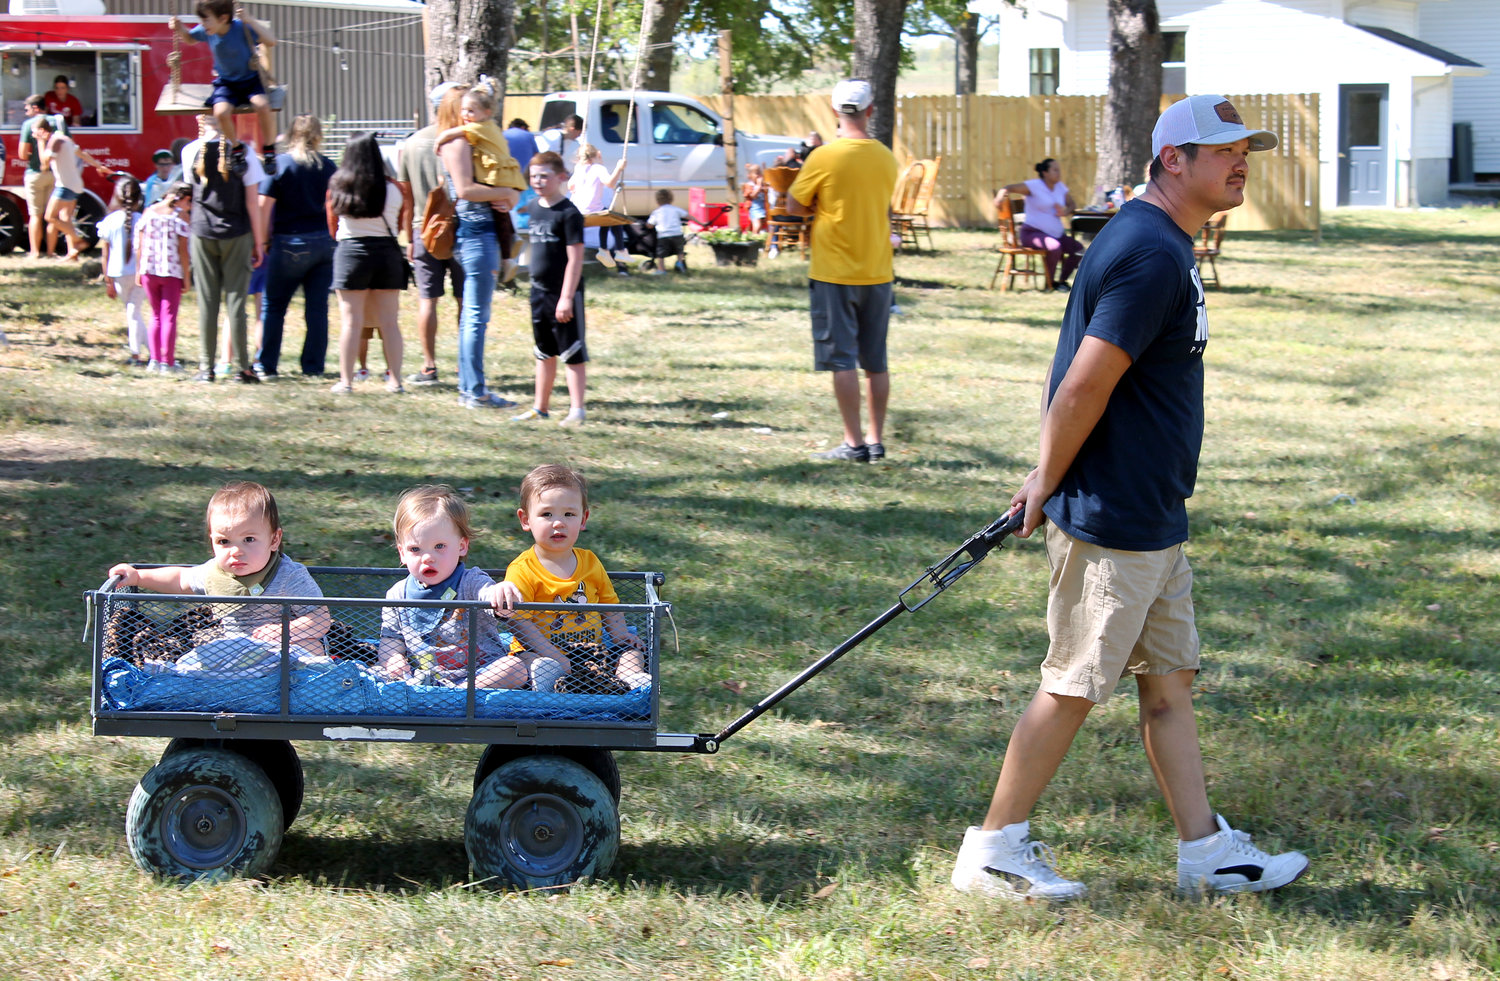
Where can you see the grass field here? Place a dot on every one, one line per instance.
(1344, 543)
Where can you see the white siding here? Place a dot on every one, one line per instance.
(1432, 114)
(1471, 28)
(1040, 24)
(1396, 15)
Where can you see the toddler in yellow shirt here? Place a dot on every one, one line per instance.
(554, 508)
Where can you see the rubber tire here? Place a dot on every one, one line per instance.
(274, 756)
(86, 219)
(600, 761)
(541, 821)
(204, 814)
(13, 233)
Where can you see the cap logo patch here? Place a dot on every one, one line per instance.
(1225, 111)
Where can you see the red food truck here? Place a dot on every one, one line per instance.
(117, 68)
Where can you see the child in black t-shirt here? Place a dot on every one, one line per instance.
(556, 269)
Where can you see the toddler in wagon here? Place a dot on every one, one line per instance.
(244, 529)
(555, 509)
(430, 645)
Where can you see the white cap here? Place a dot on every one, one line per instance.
(1207, 119)
(852, 96)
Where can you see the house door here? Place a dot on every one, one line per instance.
(1363, 144)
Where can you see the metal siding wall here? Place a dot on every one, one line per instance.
(384, 80)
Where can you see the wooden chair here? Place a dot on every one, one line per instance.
(1015, 258)
(783, 230)
(911, 221)
(904, 199)
(1209, 245)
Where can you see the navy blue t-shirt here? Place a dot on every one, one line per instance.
(1138, 289)
(300, 192)
(551, 231)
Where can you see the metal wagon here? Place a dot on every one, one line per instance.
(545, 808)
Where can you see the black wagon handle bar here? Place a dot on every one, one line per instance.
(936, 579)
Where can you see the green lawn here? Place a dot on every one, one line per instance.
(1344, 544)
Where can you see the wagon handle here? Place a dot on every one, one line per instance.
(938, 577)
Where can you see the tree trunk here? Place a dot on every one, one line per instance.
(966, 54)
(469, 38)
(877, 58)
(1131, 108)
(658, 25)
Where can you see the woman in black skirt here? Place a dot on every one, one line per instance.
(369, 271)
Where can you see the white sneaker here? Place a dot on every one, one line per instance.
(1009, 865)
(573, 418)
(362, 374)
(1225, 861)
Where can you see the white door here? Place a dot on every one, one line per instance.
(686, 151)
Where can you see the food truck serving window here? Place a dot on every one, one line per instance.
(104, 83)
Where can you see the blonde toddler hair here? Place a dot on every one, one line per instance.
(427, 501)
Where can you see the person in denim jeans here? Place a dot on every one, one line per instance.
(477, 251)
(301, 252)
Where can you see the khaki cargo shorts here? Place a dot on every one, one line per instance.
(39, 185)
(1110, 612)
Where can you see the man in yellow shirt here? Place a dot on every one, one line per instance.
(846, 186)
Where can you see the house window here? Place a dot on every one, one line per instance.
(1044, 73)
(1174, 63)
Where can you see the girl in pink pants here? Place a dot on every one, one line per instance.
(161, 249)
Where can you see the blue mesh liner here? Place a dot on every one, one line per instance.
(345, 688)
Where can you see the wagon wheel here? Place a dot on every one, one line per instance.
(204, 814)
(600, 762)
(12, 226)
(541, 821)
(274, 756)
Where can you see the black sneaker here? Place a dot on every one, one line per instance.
(204, 375)
(237, 162)
(427, 376)
(268, 162)
(877, 450)
(852, 454)
(1062, 288)
(262, 373)
(247, 378)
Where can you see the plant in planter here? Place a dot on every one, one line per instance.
(733, 247)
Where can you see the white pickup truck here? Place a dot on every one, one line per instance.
(675, 142)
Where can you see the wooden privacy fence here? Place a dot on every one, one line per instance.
(989, 141)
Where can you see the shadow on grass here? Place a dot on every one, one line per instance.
(120, 503)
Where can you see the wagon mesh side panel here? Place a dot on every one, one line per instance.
(581, 663)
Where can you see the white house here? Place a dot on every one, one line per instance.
(1387, 91)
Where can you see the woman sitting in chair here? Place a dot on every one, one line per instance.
(1047, 201)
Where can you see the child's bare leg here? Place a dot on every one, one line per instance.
(508, 672)
(577, 384)
(546, 375)
(267, 121)
(223, 113)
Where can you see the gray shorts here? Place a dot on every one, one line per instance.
(431, 272)
(849, 325)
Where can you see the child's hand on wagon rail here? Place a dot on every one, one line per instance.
(503, 596)
(128, 574)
